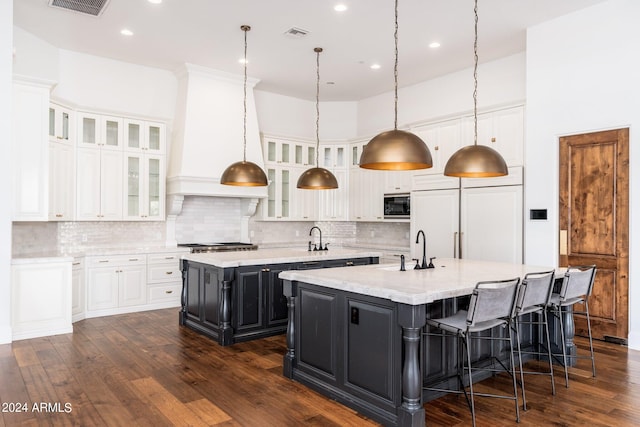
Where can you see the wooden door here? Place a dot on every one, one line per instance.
(594, 224)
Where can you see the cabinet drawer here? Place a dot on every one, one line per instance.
(104, 261)
(168, 258)
(163, 273)
(163, 293)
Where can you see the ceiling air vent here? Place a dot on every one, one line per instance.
(296, 32)
(88, 7)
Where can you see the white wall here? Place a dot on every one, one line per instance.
(34, 57)
(286, 116)
(500, 82)
(105, 84)
(6, 50)
(582, 76)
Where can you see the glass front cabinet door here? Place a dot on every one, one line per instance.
(143, 136)
(144, 187)
(95, 130)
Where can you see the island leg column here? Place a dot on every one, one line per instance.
(289, 358)
(412, 318)
(226, 332)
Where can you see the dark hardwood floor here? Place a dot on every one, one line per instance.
(143, 369)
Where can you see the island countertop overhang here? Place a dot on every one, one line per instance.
(450, 278)
(276, 256)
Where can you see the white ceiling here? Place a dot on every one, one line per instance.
(207, 33)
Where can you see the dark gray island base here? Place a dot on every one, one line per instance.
(354, 341)
(235, 297)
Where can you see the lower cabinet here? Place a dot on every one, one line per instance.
(118, 284)
(242, 303)
(114, 282)
(78, 300)
(40, 298)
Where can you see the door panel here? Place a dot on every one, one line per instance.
(594, 223)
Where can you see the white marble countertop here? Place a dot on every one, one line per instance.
(52, 256)
(450, 278)
(275, 256)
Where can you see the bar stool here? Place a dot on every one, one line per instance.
(533, 299)
(492, 304)
(577, 285)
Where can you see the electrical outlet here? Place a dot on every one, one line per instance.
(84, 237)
(373, 233)
(297, 233)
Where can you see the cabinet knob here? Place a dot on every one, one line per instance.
(266, 270)
(168, 292)
(349, 263)
(493, 139)
(169, 272)
(58, 215)
(436, 148)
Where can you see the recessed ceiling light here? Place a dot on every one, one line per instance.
(375, 66)
(434, 45)
(126, 32)
(155, 1)
(340, 7)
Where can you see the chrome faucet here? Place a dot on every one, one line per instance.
(424, 251)
(320, 232)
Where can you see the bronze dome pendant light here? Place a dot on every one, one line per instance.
(244, 173)
(396, 149)
(476, 161)
(317, 178)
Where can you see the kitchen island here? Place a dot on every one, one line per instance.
(238, 296)
(356, 335)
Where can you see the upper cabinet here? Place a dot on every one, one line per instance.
(30, 151)
(101, 131)
(502, 130)
(62, 164)
(120, 168)
(145, 137)
(443, 139)
(287, 152)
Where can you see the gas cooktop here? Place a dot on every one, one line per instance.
(219, 247)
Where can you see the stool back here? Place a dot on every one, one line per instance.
(492, 300)
(535, 290)
(577, 282)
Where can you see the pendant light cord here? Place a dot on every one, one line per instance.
(317, 50)
(475, 77)
(245, 28)
(395, 72)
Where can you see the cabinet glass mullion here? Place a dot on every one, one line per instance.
(153, 176)
(133, 186)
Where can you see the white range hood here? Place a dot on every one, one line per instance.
(208, 137)
(208, 133)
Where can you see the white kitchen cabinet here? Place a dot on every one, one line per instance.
(144, 136)
(397, 182)
(436, 212)
(40, 297)
(61, 122)
(502, 130)
(278, 202)
(30, 151)
(366, 195)
(288, 152)
(144, 186)
(62, 180)
(96, 130)
(479, 218)
(334, 204)
(114, 282)
(443, 139)
(78, 299)
(99, 184)
(304, 203)
(164, 279)
(285, 161)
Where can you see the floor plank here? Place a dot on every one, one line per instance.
(144, 369)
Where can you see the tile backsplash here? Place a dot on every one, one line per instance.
(29, 238)
(203, 219)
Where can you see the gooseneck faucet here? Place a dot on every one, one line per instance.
(320, 232)
(424, 250)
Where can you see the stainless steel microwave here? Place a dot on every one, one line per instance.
(397, 206)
